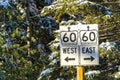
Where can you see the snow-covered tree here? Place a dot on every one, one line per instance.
(72, 12)
(29, 38)
(23, 40)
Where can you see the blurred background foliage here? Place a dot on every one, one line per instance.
(29, 41)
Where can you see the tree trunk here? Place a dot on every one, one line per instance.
(28, 26)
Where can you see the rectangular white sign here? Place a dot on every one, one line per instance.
(79, 45)
(88, 43)
(69, 45)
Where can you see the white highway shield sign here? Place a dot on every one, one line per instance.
(69, 45)
(88, 44)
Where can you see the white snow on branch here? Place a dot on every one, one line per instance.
(109, 46)
(117, 75)
(60, 79)
(45, 73)
(53, 55)
(108, 12)
(54, 61)
(4, 4)
(91, 74)
(56, 44)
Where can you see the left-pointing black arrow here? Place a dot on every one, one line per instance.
(69, 59)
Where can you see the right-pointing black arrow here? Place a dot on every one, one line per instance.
(90, 58)
(68, 59)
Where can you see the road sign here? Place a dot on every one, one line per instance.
(69, 45)
(79, 45)
(88, 44)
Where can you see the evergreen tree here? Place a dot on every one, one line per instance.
(23, 41)
(97, 12)
(29, 50)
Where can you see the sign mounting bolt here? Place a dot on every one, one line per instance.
(88, 28)
(68, 28)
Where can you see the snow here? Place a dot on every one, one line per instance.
(57, 39)
(22, 10)
(56, 44)
(42, 11)
(70, 22)
(119, 73)
(63, 22)
(91, 74)
(81, 0)
(56, 5)
(4, 4)
(109, 45)
(108, 12)
(108, 16)
(53, 55)
(116, 76)
(45, 73)
(3, 25)
(50, 7)
(54, 61)
(59, 79)
(85, 2)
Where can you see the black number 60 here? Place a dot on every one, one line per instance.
(85, 38)
(72, 37)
